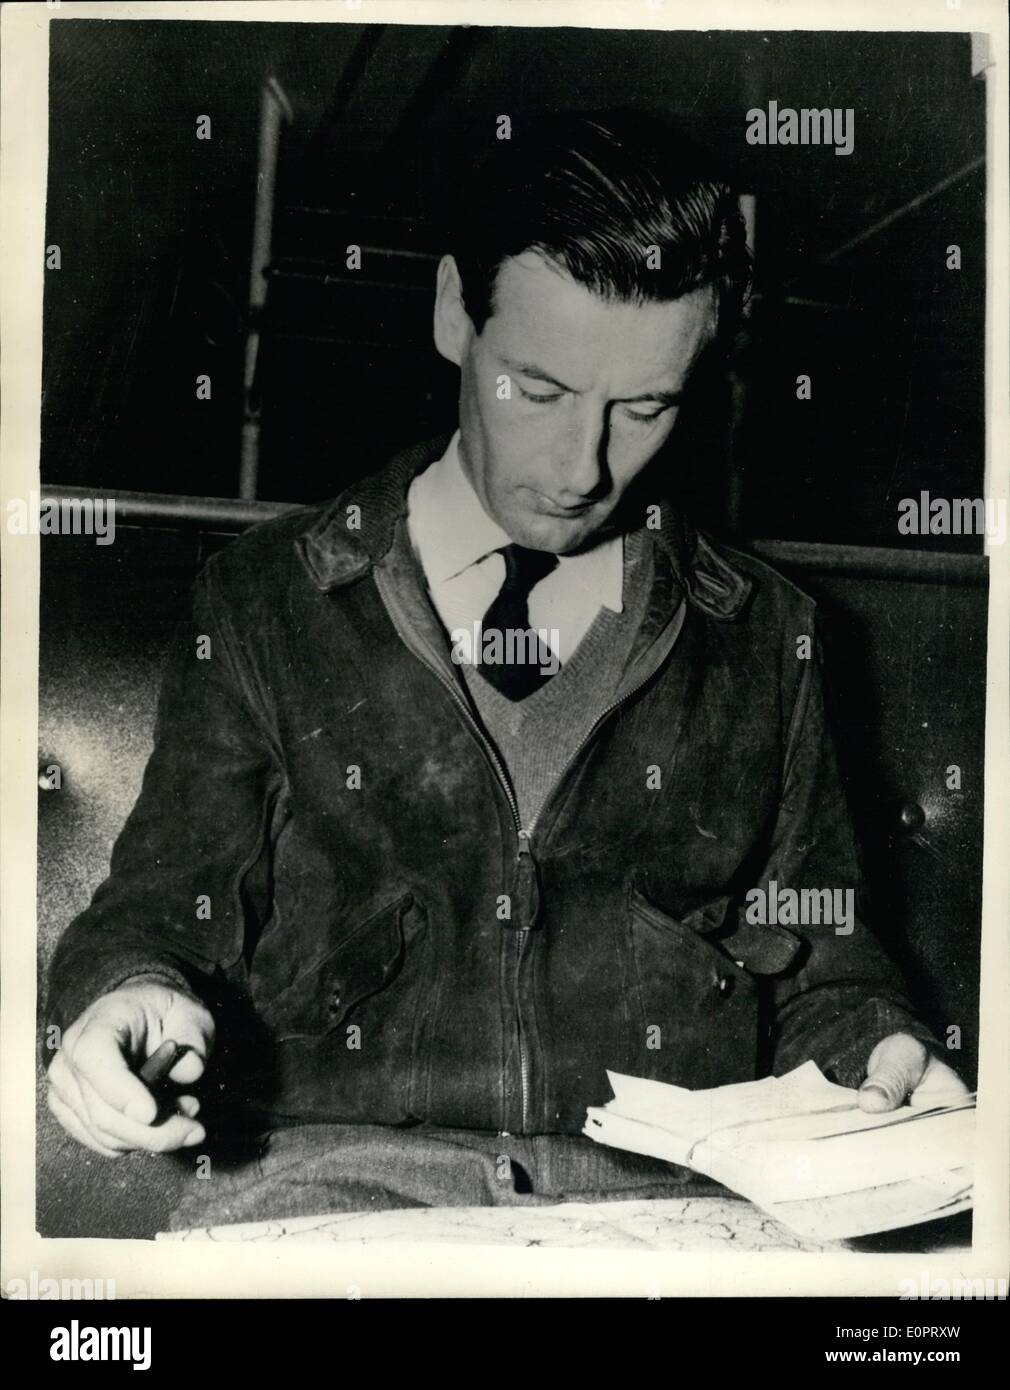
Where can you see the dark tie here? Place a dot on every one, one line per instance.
(522, 653)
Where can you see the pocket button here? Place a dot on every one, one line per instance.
(724, 984)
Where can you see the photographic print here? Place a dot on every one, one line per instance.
(517, 514)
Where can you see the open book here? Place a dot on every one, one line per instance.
(800, 1148)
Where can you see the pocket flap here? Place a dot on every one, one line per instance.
(364, 963)
(360, 965)
(761, 950)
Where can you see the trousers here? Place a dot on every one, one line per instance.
(311, 1170)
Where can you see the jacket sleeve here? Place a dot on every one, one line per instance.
(842, 994)
(172, 905)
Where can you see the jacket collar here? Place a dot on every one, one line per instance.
(356, 531)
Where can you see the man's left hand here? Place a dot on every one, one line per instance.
(901, 1069)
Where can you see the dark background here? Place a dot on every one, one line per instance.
(155, 230)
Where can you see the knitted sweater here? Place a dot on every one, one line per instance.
(538, 736)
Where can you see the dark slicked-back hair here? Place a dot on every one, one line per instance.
(599, 195)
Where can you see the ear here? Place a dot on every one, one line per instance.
(453, 327)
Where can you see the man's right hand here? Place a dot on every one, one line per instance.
(94, 1090)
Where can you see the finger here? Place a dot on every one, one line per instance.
(192, 1027)
(98, 1058)
(92, 1114)
(188, 1069)
(176, 1132)
(895, 1068)
(81, 1099)
(188, 1105)
(939, 1083)
(117, 1131)
(61, 1080)
(65, 1084)
(76, 1129)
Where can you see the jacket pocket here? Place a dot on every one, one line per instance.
(374, 958)
(699, 1009)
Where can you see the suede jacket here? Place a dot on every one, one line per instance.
(326, 848)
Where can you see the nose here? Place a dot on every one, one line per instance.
(586, 454)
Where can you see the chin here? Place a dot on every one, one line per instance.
(548, 533)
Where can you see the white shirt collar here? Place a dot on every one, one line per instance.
(450, 531)
(449, 528)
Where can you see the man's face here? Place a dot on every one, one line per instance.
(593, 392)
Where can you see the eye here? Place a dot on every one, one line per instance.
(539, 399)
(645, 417)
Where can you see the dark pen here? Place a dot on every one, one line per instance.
(154, 1075)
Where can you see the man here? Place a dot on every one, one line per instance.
(461, 784)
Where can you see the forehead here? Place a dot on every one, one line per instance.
(543, 318)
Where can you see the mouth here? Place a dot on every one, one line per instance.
(550, 507)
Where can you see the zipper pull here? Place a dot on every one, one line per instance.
(525, 886)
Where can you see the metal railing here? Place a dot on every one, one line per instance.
(231, 515)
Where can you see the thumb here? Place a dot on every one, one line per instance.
(191, 1025)
(895, 1068)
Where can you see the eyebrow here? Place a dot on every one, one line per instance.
(538, 374)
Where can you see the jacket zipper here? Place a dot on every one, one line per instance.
(524, 837)
(522, 847)
(525, 846)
